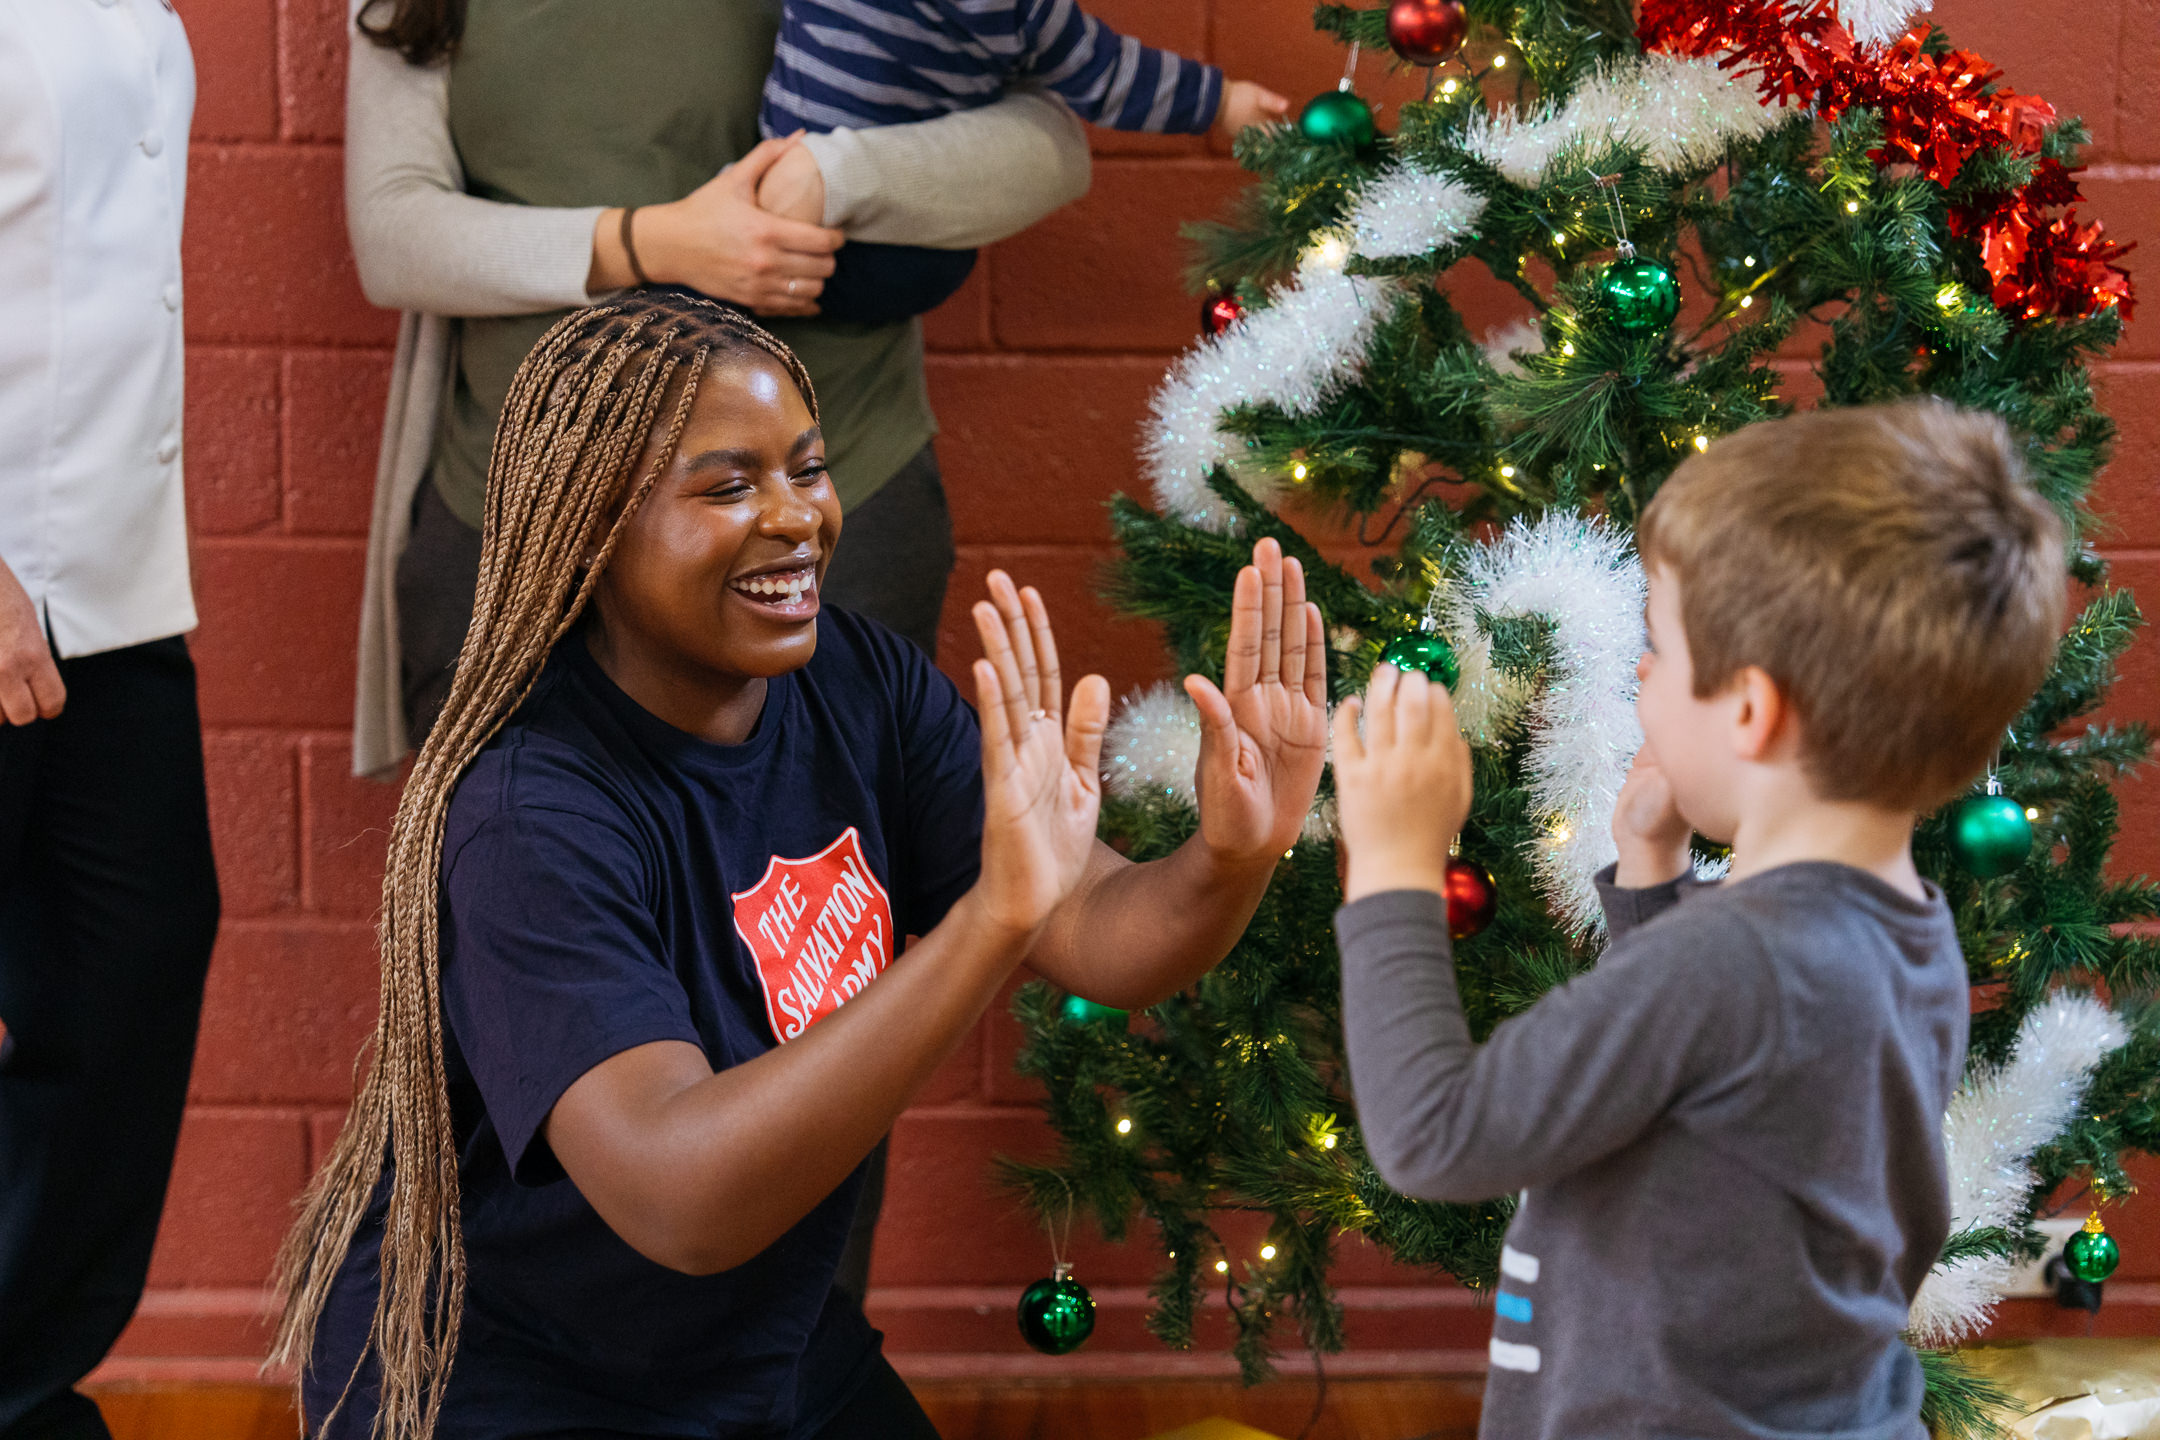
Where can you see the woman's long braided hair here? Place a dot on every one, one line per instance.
(581, 414)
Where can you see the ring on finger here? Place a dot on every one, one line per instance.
(791, 287)
(1038, 714)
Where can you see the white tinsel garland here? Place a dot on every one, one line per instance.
(1152, 752)
(1874, 21)
(1681, 112)
(1294, 354)
(1582, 576)
(1408, 211)
(1997, 1119)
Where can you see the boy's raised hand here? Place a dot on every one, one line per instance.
(1651, 834)
(1042, 780)
(1263, 735)
(1402, 788)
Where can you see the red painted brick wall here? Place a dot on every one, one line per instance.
(1041, 371)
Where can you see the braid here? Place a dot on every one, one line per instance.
(582, 410)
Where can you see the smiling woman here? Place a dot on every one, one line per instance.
(647, 998)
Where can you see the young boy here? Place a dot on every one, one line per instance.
(1728, 1134)
(859, 64)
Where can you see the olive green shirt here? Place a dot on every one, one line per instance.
(638, 102)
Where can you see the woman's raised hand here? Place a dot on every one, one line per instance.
(1042, 781)
(1263, 735)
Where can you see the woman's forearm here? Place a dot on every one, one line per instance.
(1134, 935)
(420, 241)
(958, 181)
(701, 1171)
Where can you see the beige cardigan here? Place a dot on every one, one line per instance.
(427, 248)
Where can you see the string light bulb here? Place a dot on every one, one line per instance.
(1124, 1125)
(1222, 1267)
(1327, 1141)
(1507, 472)
(1450, 85)
(1298, 471)
(1852, 207)
(1267, 1252)
(1949, 297)
(2032, 812)
(1499, 62)
(1567, 347)
(1330, 253)
(1746, 300)
(1702, 442)
(1749, 262)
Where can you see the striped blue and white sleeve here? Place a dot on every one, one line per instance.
(1107, 78)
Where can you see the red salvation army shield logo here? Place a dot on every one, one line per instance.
(821, 929)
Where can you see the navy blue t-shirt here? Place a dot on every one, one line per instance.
(610, 881)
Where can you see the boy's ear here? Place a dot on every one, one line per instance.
(1762, 716)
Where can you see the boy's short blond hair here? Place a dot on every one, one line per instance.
(1889, 567)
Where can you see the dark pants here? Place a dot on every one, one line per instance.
(893, 563)
(108, 907)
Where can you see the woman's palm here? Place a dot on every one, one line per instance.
(1042, 786)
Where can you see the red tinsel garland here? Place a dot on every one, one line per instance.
(1938, 111)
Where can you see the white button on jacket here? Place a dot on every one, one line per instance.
(95, 99)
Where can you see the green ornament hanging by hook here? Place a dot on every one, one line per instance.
(1990, 833)
(1643, 294)
(1338, 117)
(2091, 1254)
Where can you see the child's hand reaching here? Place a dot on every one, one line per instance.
(1042, 780)
(1244, 103)
(1403, 787)
(794, 187)
(1648, 827)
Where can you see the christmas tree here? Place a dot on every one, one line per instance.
(1679, 196)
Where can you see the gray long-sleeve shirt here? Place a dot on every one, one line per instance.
(1729, 1136)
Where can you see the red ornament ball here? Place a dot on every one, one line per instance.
(1426, 32)
(1472, 898)
(1219, 312)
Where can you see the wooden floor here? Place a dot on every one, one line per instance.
(1357, 1409)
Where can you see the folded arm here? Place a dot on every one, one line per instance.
(957, 182)
(421, 242)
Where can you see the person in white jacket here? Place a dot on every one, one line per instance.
(108, 892)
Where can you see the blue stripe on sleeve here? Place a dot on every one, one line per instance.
(865, 63)
(1511, 1307)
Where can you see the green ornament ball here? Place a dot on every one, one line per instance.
(1079, 1010)
(1057, 1315)
(1990, 835)
(1425, 652)
(2091, 1255)
(1644, 295)
(1338, 117)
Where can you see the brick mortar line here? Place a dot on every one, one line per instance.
(229, 145)
(292, 344)
(294, 920)
(240, 1110)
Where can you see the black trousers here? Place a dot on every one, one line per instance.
(108, 908)
(894, 561)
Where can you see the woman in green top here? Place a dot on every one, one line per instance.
(492, 149)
